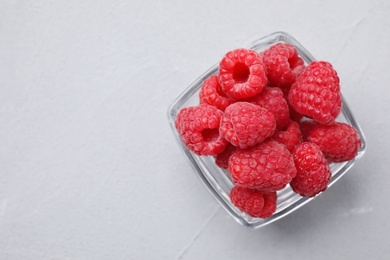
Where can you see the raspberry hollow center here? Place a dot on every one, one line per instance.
(210, 135)
(240, 73)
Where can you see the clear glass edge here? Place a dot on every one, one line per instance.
(253, 43)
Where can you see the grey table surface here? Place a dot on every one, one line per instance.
(90, 168)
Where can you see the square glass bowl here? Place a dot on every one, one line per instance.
(217, 180)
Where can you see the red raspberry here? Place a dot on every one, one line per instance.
(272, 100)
(245, 124)
(269, 204)
(339, 142)
(307, 127)
(222, 159)
(198, 128)
(211, 94)
(283, 64)
(290, 138)
(313, 173)
(247, 200)
(316, 93)
(294, 115)
(267, 167)
(284, 90)
(242, 74)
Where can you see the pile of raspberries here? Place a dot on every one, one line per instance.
(270, 121)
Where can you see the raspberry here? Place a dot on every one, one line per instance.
(290, 138)
(307, 127)
(198, 128)
(294, 115)
(267, 167)
(242, 74)
(282, 64)
(245, 124)
(247, 200)
(222, 159)
(211, 94)
(272, 100)
(316, 93)
(269, 204)
(284, 90)
(313, 173)
(339, 142)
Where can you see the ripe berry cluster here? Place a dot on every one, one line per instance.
(270, 121)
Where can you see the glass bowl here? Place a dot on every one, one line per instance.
(217, 181)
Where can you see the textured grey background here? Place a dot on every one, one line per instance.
(90, 169)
